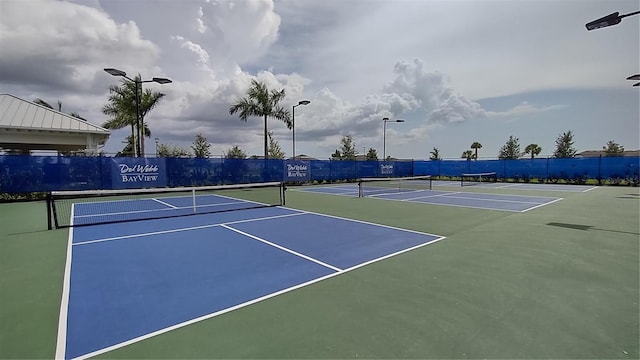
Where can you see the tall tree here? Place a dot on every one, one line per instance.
(510, 150)
(121, 107)
(165, 150)
(47, 105)
(275, 151)
(564, 146)
(533, 149)
(372, 155)
(337, 155)
(467, 154)
(201, 147)
(348, 148)
(613, 149)
(260, 101)
(435, 154)
(128, 147)
(235, 153)
(475, 146)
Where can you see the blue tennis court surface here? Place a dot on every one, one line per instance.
(487, 201)
(129, 281)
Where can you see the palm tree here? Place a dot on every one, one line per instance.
(533, 149)
(476, 145)
(262, 102)
(121, 107)
(47, 105)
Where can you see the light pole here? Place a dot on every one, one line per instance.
(157, 144)
(384, 136)
(293, 123)
(609, 20)
(138, 142)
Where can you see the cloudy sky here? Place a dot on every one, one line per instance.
(458, 71)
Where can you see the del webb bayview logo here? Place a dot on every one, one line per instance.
(297, 170)
(386, 169)
(139, 173)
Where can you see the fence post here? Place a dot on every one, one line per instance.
(600, 169)
(546, 177)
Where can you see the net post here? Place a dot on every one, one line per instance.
(54, 212)
(283, 190)
(49, 225)
(430, 183)
(193, 196)
(360, 191)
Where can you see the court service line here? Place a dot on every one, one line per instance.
(181, 229)
(154, 210)
(293, 252)
(396, 193)
(365, 222)
(496, 200)
(426, 201)
(541, 205)
(164, 203)
(431, 196)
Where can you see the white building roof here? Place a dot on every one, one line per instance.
(29, 126)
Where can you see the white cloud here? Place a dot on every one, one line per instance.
(243, 30)
(346, 57)
(67, 43)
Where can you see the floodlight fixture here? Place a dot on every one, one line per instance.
(609, 20)
(138, 142)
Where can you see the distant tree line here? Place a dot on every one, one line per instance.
(511, 149)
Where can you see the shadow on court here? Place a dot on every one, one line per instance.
(588, 227)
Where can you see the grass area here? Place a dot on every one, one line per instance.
(561, 281)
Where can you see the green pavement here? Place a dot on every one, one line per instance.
(561, 281)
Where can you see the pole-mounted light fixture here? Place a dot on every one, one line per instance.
(609, 20)
(138, 147)
(384, 136)
(293, 123)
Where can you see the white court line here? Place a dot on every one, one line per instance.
(165, 203)
(155, 210)
(182, 229)
(344, 191)
(392, 193)
(496, 200)
(506, 186)
(432, 196)
(61, 342)
(541, 205)
(282, 248)
(365, 222)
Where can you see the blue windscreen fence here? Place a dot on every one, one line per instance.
(27, 174)
(543, 169)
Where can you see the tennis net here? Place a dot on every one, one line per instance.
(90, 207)
(478, 178)
(381, 186)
